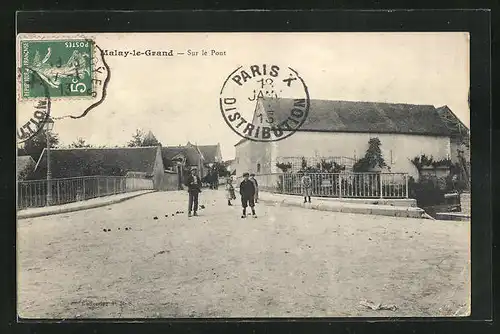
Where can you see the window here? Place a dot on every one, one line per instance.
(258, 168)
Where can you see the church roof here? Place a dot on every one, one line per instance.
(363, 117)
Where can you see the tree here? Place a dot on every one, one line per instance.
(80, 143)
(35, 145)
(150, 140)
(373, 158)
(140, 139)
(303, 163)
(220, 169)
(136, 138)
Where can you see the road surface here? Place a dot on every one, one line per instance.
(288, 262)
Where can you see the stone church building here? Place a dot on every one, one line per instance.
(340, 131)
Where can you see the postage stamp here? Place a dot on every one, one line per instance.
(66, 74)
(264, 102)
(65, 66)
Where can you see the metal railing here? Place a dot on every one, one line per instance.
(349, 185)
(35, 193)
(296, 162)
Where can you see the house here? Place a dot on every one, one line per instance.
(77, 162)
(211, 154)
(186, 156)
(180, 159)
(459, 134)
(25, 166)
(342, 129)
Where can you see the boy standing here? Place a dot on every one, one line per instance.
(247, 192)
(256, 186)
(306, 183)
(194, 188)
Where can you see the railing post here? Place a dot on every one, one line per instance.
(98, 187)
(380, 185)
(406, 187)
(83, 181)
(58, 192)
(340, 186)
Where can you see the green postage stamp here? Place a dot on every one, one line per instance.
(65, 66)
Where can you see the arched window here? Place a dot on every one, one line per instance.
(258, 168)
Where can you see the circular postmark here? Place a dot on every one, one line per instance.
(265, 102)
(35, 113)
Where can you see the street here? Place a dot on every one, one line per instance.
(288, 262)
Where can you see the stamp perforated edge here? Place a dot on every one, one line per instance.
(51, 37)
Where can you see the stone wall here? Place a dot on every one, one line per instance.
(465, 203)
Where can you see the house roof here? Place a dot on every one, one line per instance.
(453, 123)
(104, 161)
(210, 152)
(366, 117)
(189, 152)
(23, 162)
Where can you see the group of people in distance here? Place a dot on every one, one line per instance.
(249, 192)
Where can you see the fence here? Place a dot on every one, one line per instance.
(351, 185)
(67, 190)
(296, 162)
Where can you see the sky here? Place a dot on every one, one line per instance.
(177, 98)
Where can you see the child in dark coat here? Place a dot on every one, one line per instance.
(247, 192)
(194, 189)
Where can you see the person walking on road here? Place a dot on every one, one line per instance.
(256, 186)
(306, 184)
(247, 192)
(230, 195)
(194, 189)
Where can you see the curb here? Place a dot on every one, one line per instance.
(410, 212)
(84, 207)
(452, 216)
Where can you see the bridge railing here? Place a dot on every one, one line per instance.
(66, 190)
(349, 185)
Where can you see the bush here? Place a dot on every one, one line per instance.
(455, 185)
(426, 192)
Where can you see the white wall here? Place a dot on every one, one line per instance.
(250, 153)
(397, 149)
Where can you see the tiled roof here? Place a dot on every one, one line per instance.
(189, 152)
(209, 152)
(366, 117)
(370, 117)
(24, 162)
(454, 124)
(96, 161)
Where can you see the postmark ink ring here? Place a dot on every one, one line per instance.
(264, 102)
(39, 113)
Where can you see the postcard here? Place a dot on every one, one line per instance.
(243, 175)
